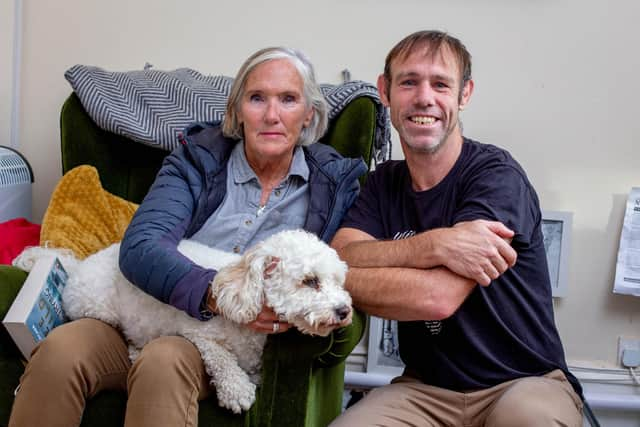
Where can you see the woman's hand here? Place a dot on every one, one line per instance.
(267, 322)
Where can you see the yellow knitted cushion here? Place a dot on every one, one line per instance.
(82, 216)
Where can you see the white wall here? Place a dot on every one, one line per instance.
(555, 85)
(6, 69)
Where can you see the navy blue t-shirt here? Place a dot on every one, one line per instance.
(501, 332)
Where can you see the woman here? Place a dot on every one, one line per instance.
(227, 187)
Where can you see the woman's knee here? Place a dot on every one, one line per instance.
(73, 345)
(78, 359)
(169, 359)
(170, 374)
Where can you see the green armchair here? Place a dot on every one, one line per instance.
(302, 376)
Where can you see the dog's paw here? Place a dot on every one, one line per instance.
(255, 378)
(134, 353)
(236, 396)
(28, 257)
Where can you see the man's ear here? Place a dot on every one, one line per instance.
(465, 94)
(383, 90)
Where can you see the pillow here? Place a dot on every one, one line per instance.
(82, 216)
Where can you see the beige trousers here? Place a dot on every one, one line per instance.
(81, 358)
(527, 402)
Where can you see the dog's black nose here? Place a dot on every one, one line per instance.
(343, 312)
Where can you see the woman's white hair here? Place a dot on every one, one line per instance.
(232, 127)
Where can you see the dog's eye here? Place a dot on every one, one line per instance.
(311, 282)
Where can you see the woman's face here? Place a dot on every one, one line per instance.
(273, 111)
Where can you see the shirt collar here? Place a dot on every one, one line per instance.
(243, 173)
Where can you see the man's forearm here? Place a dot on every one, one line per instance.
(479, 250)
(414, 252)
(407, 293)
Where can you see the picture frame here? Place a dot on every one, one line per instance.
(383, 353)
(556, 230)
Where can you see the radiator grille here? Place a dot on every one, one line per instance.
(14, 169)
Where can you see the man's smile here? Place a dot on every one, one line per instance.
(423, 120)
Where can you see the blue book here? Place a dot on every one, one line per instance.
(37, 308)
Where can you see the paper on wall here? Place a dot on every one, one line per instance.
(627, 279)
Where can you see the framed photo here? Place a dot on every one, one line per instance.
(383, 355)
(556, 229)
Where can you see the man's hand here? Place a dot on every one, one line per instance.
(478, 250)
(267, 322)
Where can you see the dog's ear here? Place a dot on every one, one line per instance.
(270, 266)
(238, 287)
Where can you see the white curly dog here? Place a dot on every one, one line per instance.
(293, 272)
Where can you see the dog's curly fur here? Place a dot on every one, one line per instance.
(293, 272)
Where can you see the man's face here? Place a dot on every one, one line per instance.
(424, 98)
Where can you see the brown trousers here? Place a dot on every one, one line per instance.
(81, 358)
(527, 402)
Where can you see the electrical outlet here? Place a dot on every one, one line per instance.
(627, 343)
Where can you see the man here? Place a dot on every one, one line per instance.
(424, 233)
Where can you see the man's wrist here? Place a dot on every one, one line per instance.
(430, 248)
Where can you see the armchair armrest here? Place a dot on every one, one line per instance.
(306, 374)
(11, 280)
(11, 364)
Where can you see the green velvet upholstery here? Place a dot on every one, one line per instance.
(126, 169)
(11, 365)
(302, 379)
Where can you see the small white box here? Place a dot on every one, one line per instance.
(37, 308)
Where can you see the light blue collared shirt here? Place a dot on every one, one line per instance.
(240, 222)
